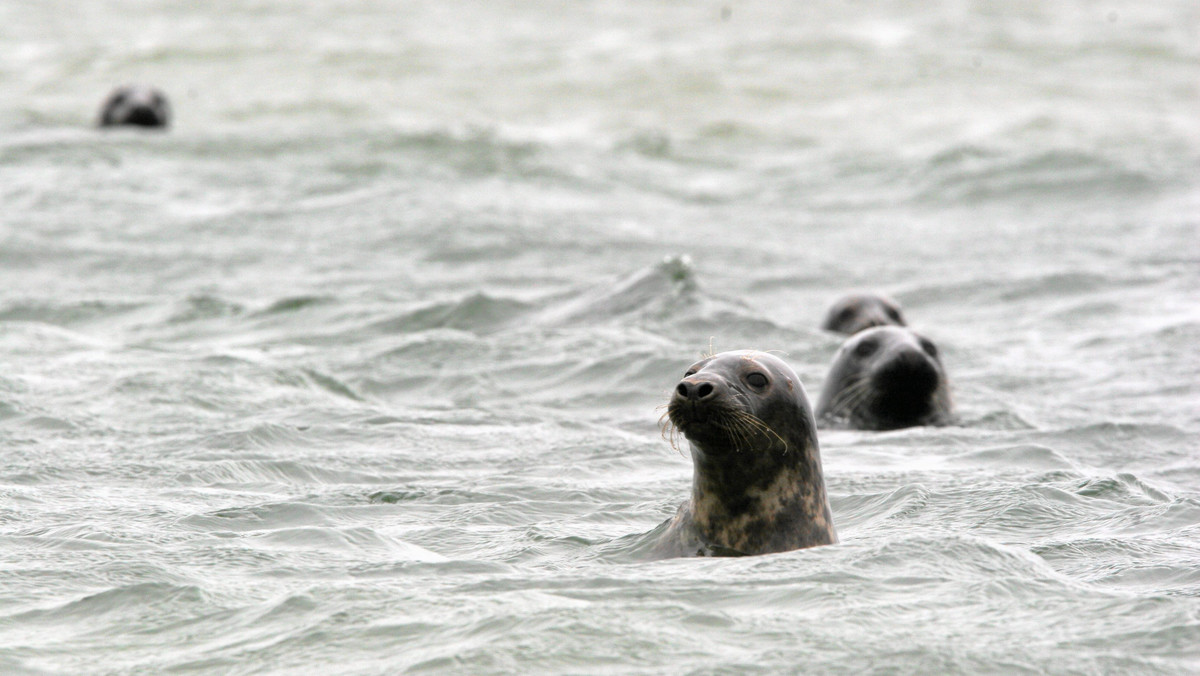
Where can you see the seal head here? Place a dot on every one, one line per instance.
(859, 311)
(885, 378)
(135, 105)
(757, 484)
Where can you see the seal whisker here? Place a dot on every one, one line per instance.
(739, 429)
(747, 429)
(742, 399)
(856, 395)
(669, 431)
(846, 392)
(859, 389)
(847, 398)
(757, 425)
(738, 433)
(864, 397)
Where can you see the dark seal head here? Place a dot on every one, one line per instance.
(885, 378)
(757, 485)
(859, 311)
(137, 106)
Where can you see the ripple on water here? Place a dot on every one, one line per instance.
(358, 543)
(1019, 458)
(263, 472)
(260, 517)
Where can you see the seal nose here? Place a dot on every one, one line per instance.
(695, 389)
(144, 115)
(909, 371)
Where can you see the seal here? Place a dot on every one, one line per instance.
(135, 105)
(885, 378)
(757, 485)
(858, 311)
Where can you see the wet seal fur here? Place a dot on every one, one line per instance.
(860, 311)
(757, 485)
(137, 106)
(885, 378)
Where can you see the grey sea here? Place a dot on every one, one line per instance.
(358, 368)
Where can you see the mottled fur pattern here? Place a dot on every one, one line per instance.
(757, 485)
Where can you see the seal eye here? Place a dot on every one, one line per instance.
(895, 316)
(929, 347)
(757, 380)
(690, 372)
(864, 349)
(845, 315)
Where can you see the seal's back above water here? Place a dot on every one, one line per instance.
(757, 485)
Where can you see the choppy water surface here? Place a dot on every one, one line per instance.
(356, 369)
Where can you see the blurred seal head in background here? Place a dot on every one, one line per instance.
(137, 106)
(859, 311)
(885, 378)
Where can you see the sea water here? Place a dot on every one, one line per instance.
(358, 367)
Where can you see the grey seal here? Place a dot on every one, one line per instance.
(135, 105)
(858, 311)
(885, 378)
(757, 484)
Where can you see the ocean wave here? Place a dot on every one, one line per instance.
(971, 175)
(252, 473)
(479, 313)
(83, 621)
(659, 291)
(73, 313)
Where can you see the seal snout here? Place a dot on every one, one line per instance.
(696, 389)
(143, 115)
(696, 400)
(908, 371)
